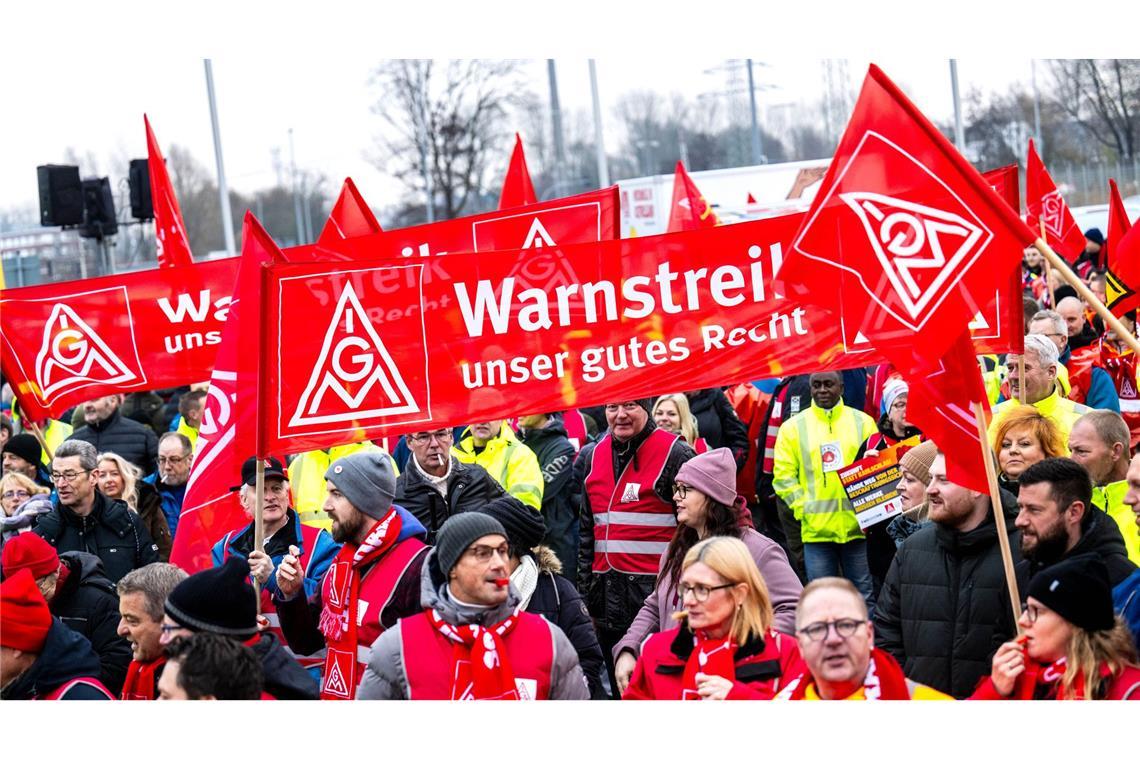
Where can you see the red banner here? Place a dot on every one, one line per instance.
(517, 190)
(690, 210)
(171, 242)
(1047, 213)
(69, 342)
(1004, 333)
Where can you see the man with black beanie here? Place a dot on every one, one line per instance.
(623, 485)
(220, 601)
(22, 454)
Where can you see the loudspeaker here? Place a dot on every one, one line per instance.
(61, 195)
(98, 209)
(139, 180)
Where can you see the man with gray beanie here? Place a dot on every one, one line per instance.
(472, 640)
(373, 581)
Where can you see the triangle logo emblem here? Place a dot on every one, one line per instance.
(1053, 213)
(354, 377)
(334, 680)
(72, 354)
(537, 237)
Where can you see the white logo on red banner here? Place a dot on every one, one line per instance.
(1053, 213)
(538, 236)
(216, 432)
(535, 229)
(73, 355)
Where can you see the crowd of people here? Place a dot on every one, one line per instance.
(696, 545)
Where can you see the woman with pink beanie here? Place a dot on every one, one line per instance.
(707, 505)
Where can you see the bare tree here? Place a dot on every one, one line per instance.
(449, 117)
(1103, 96)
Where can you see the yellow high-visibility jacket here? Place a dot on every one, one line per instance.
(510, 462)
(1110, 499)
(816, 497)
(55, 433)
(307, 480)
(1065, 412)
(189, 432)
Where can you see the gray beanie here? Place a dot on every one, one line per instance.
(367, 479)
(459, 532)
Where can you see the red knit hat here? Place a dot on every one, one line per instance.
(30, 551)
(24, 615)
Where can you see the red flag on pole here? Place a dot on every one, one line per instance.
(1123, 244)
(226, 435)
(169, 229)
(1048, 214)
(689, 211)
(350, 216)
(1012, 316)
(517, 187)
(903, 240)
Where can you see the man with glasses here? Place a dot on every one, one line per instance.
(108, 430)
(436, 485)
(472, 641)
(837, 644)
(175, 456)
(85, 520)
(1089, 384)
(623, 484)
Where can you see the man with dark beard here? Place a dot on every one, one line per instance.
(373, 581)
(1057, 520)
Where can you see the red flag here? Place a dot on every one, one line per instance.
(689, 211)
(1123, 257)
(751, 200)
(904, 240)
(226, 435)
(517, 187)
(1047, 213)
(169, 229)
(350, 216)
(1009, 314)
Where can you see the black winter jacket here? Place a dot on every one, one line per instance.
(944, 609)
(111, 532)
(131, 440)
(718, 423)
(284, 676)
(66, 655)
(614, 598)
(88, 603)
(469, 487)
(1100, 537)
(556, 599)
(555, 456)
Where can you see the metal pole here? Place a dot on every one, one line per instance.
(959, 134)
(603, 167)
(307, 202)
(223, 190)
(757, 147)
(429, 188)
(1036, 106)
(301, 239)
(555, 122)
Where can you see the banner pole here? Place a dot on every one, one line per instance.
(1082, 289)
(1048, 278)
(39, 434)
(999, 514)
(1021, 378)
(258, 522)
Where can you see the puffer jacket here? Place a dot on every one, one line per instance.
(614, 598)
(1100, 537)
(944, 609)
(66, 656)
(718, 423)
(284, 676)
(469, 487)
(555, 456)
(111, 532)
(88, 603)
(131, 440)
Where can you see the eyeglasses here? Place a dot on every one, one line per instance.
(844, 628)
(681, 490)
(628, 406)
(483, 553)
(700, 592)
(1030, 611)
(439, 435)
(172, 460)
(66, 477)
(16, 495)
(171, 628)
(899, 405)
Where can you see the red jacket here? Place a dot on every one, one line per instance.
(763, 666)
(1035, 683)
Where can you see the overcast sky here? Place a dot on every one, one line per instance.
(306, 66)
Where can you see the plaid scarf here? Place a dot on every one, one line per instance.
(339, 620)
(713, 657)
(480, 659)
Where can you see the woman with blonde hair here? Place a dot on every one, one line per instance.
(671, 412)
(23, 501)
(1073, 646)
(1023, 437)
(119, 479)
(726, 647)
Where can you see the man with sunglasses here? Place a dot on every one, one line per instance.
(85, 520)
(436, 485)
(472, 641)
(837, 643)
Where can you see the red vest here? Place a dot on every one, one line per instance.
(1121, 367)
(377, 586)
(1080, 367)
(60, 692)
(431, 670)
(632, 525)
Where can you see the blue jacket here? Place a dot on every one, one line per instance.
(1126, 601)
(317, 547)
(172, 497)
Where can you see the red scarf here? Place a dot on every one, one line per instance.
(1041, 681)
(481, 668)
(338, 617)
(884, 679)
(141, 676)
(713, 657)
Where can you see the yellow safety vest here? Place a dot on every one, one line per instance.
(189, 432)
(510, 462)
(1065, 412)
(307, 481)
(1110, 499)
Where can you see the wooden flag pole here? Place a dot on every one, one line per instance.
(999, 514)
(1082, 289)
(259, 523)
(39, 434)
(1021, 378)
